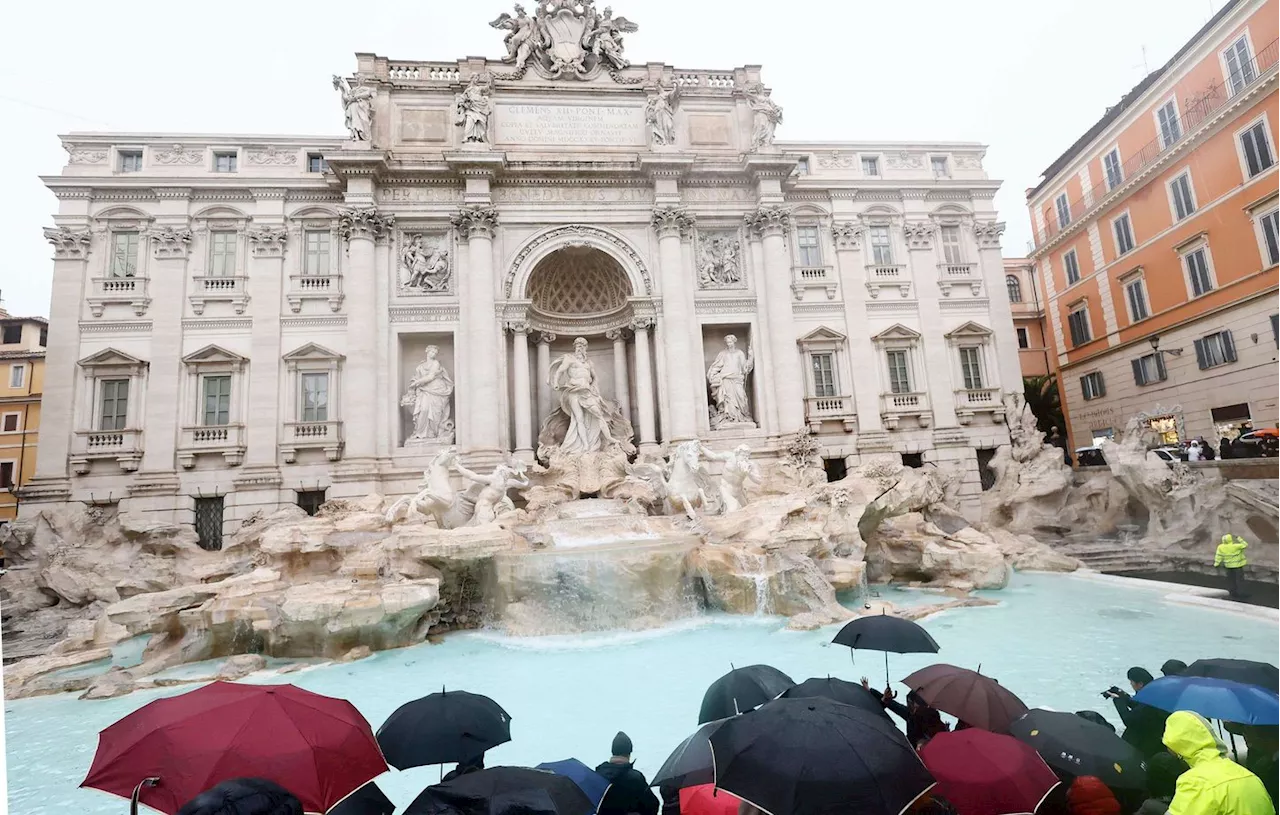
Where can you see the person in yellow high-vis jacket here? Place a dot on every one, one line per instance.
(1230, 556)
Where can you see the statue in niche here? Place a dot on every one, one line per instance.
(738, 470)
(728, 379)
(719, 263)
(520, 36)
(474, 107)
(590, 420)
(428, 267)
(766, 115)
(660, 114)
(428, 394)
(357, 106)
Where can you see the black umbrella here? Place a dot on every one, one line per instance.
(1078, 746)
(1244, 671)
(503, 791)
(740, 690)
(442, 728)
(690, 764)
(837, 690)
(880, 632)
(813, 756)
(368, 800)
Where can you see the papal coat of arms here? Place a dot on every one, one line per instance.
(565, 38)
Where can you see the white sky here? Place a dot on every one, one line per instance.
(1024, 77)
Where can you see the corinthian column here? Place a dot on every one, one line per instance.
(523, 393)
(771, 223)
(644, 387)
(671, 224)
(621, 382)
(475, 225)
(544, 376)
(360, 227)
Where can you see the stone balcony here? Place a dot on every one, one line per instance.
(326, 436)
(894, 406)
(122, 446)
(130, 291)
(819, 409)
(234, 290)
(228, 440)
(813, 277)
(959, 274)
(969, 403)
(315, 287)
(887, 276)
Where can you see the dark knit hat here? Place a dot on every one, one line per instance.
(1140, 675)
(621, 744)
(1173, 667)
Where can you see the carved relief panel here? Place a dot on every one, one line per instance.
(424, 262)
(719, 260)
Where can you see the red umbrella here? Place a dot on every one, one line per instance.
(317, 747)
(984, 773)
(704, 799)
(976, 700)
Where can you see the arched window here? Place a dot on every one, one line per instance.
(1015, 288)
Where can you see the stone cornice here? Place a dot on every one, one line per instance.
(171, 193)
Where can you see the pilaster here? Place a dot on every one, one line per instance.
(672, 224)
(476, 224)
(360, 227)
(920, 237)
(772, 223)
(851, 267)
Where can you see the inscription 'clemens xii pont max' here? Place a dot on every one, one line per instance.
(568, 124)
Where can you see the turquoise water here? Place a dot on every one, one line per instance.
(1055, 641)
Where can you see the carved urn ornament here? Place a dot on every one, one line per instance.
(565, 38)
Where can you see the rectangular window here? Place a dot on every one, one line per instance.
(124, 254)
(802, 166)
(1111, 164)
(1124, 234)
(1071, 264)
(1270, 224)
(12, 334)
(130, 161)
(316, 163)
(971, 367)
(217, 400)
(1240, 67)
(222, 254)
(1215, 349)
(1092, 386)
(1170, 127)
(1197, 264)
(113, 401)
(1184, 202)
(1275, 329)
(881, 248)
(952, 251)
(824, 375)
(6, 474)
(1257, 150)
(899, 375)
(807, 245)
(1024, 338)
(316, 260)
(1135, 293)
(315, 397)
(310, 500)
(10, 423)
(1078, 323)
(870, 165)
(209, 523)
(940, 169)
(224, 162)
(44, 336)
(17, 375)
(1064, 210)
(1149, 369)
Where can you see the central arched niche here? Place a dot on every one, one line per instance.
(579, 287)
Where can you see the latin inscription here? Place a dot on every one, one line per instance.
(569, 124)
(410, 195)
(574, 194)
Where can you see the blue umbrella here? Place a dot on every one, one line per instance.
(1213, 699)
(588, 780)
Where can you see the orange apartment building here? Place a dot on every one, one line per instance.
(1157, 244)
(22, 344)
(1028, 316)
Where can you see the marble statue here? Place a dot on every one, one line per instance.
(660, 115)
(492, 496)
(474, 107)
(357, 106)
(437, 498)
(564, 38)
(428, 267)
(738, 470)
(520, 38)
(428, 395)
(606, 41)
(681, 480)
(719, 263)
(728, 379)
(766, 115)
(574, 379)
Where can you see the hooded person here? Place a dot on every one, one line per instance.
(1213, 784)
(1263, 759)
(923, 721)
(1163, 770)
(244, 796)
(1143, 724)
(628, 792)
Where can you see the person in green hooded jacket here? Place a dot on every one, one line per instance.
(1230, 556)
(1214, 784)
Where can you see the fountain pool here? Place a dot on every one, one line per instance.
(1055, 641)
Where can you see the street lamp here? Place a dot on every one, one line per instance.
(1155, 346)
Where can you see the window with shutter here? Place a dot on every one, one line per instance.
(1170, 127)
(1257, 149)
(1215, 349)
(1138, 376)
(1111, 161)
(1240, 68)
(1149, 368)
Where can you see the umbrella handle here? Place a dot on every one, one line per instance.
(137, 791)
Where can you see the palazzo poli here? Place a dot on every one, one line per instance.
(522, 263)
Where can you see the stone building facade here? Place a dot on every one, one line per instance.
(241, 322)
